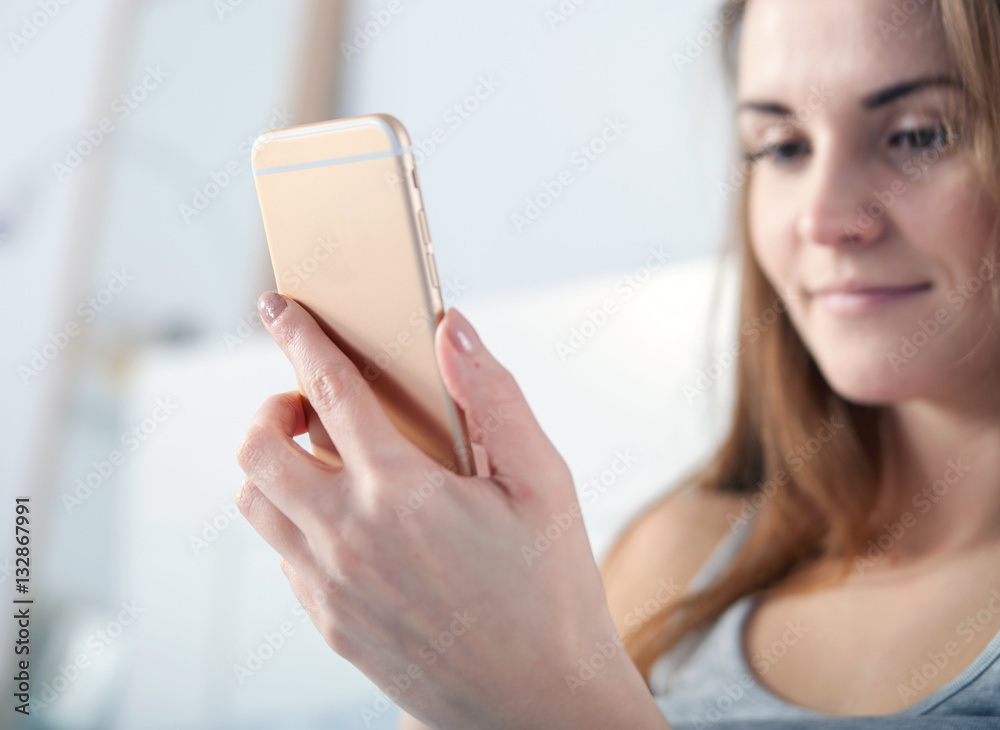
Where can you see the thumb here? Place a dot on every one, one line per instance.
(522, 459)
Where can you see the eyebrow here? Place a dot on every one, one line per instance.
(872, 101)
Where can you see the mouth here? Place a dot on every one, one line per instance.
(864, 299)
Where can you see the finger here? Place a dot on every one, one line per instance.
(291, 478)
(300, 590)
(282, 534)
(520, 454)
(348, 408)
(273, 525)
(313, 588)
(319, 440)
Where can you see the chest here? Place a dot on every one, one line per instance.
(876, 646)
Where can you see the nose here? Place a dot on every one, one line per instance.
(839, 205)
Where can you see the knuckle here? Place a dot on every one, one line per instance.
(380, 488)
(247, 498)
(328, 586)
(349, 565)
(382, 469)
(560, 471)
(333, 383)
(333, 634)
(501, 390)
(385, 508)
(343, 564)
(504, 386)
(251, 451)
(557, 480)
(281, 405)
(332, 552)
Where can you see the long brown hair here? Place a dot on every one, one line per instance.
(824, 505)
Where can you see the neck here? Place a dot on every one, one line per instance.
(942, 467)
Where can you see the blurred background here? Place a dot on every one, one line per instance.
(132, 255)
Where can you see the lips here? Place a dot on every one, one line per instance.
(853, 299)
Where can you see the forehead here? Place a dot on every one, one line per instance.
(853, 47)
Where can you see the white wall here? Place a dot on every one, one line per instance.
(557, 86)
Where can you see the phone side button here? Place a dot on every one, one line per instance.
(432, 269)
(425, 233)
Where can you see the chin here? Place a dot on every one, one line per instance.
(871, 379)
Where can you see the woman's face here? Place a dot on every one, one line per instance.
(872, 225)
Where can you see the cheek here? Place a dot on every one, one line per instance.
(771, 226)
(948, 220)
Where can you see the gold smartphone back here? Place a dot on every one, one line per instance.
(348, 239)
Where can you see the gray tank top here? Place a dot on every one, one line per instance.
(707, 682)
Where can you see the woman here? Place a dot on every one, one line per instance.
(839, 558)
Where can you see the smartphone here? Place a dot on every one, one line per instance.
(349, 241)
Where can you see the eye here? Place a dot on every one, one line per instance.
(922, 140)
(782, 154)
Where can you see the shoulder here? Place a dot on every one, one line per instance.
(666, 544)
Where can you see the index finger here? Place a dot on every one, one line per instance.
(350, 412)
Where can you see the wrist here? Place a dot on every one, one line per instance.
(616, 698)
(601, 690)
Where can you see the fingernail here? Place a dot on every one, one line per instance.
(462, 336)
(271, 304)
